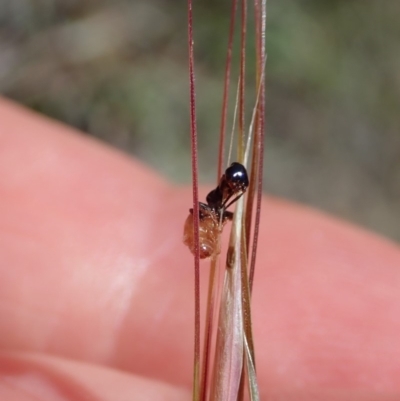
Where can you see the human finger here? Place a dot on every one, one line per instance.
(30, 377)
(94, 266)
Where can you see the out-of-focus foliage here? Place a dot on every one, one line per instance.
(118, 70)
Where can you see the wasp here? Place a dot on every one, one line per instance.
(213, 215)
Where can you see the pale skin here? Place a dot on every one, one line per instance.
(96, 287)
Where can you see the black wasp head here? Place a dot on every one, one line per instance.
(232, 186)
(236, 177)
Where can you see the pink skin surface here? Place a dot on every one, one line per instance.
(96, 286)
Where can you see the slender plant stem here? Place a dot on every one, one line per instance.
(253, 185)
(263, 19)
(234, 364)
(208, 327)
(195, 186)
(242, 79)
(222, 133)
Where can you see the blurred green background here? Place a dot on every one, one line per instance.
(118, 71)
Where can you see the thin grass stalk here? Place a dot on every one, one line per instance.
(208, 327)
(254, 131)
(235, 113)
(255, 149)
(246, 306)
(251, 374)
(235, 359)
(249, 354)
(221, 151)
(228, 366)
(260, 140)
(228, 65)
(195, 186)
(251, 191)
(256, 174)
(229, 347)
(242, 80)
